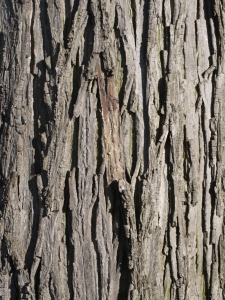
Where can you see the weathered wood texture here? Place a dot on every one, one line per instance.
(112, 143)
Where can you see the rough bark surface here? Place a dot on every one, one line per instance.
(112, 144)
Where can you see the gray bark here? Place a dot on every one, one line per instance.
(112, 143)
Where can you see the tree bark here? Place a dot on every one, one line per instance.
(112, 143)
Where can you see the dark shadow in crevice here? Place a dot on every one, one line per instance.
(134, 17)
(124, 249)
(100, 150)
(77, 70)
(167, 38)
(2, 46)
(46, 28)
(94, 241)
(171, 196)
(37, 281)
(35, 221)
(208, 14)
(125, 277)
(68, 233)
(143, 60)
(89, 34)
(172, 5)
(162, 101)
(38, 161)
(112, 194)
(134, 142)
(74, 163)
(122, 51)
(138, 203)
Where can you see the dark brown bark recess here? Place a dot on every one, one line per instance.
(112, 149)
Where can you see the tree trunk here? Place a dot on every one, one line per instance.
(112, 143)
